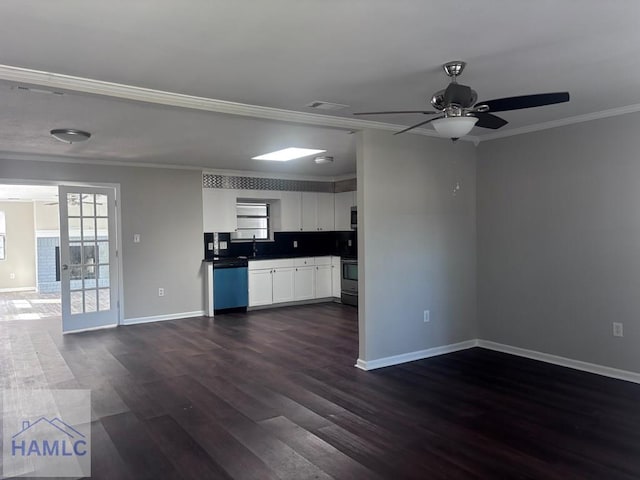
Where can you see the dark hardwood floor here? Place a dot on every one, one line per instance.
(273, 394)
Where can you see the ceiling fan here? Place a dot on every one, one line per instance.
(458, 110)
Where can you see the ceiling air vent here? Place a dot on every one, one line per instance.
(25, 88)
(319, 105)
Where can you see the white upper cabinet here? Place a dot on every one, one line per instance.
(343, 203)
(325, 211)
(317, 211)
(290, 212)
(219, 210)
(309, 211)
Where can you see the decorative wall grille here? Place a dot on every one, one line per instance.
(256, 183)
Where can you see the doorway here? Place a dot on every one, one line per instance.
(68, 276)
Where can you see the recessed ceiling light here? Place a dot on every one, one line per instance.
(70, 135)
(287, 154)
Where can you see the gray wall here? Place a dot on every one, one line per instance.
(165, 207)
(416, 243)
(559, 241)
(20, 246)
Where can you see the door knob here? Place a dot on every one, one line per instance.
(65, 267)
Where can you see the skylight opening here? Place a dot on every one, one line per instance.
(291, 153)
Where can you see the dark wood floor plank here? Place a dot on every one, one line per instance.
(136, 447)
(316, 450)
(186, 455)
(273, 394)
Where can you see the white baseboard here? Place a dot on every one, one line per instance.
(17, 289)
(413, 356)
(162, 318)
(80, 330)
(562, 361)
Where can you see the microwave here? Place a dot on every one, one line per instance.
(354, 218)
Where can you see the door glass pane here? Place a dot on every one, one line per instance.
(104, 298)
(89, 276)
(73, 204)
(103, 276)
(103, 228)
(76, 302)
(88, 228)
(88, 209)
(90, 301)
(103, 252)
(74, 229)
(101, 206)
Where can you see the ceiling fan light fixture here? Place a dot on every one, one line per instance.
(454, 127)
(70, 135)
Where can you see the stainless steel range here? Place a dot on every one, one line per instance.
(349, 293)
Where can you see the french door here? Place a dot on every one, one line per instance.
(88, 263)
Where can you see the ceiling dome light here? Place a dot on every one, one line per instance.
(454, 127)
(70, 135)
(323, 159)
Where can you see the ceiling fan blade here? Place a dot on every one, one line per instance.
(426, 112)
(525, 101)
(418, 125)
(487, 120)
(457, 94)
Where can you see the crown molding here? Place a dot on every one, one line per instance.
(587, 117)
(71, 83)
(92, 161)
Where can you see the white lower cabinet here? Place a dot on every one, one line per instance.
(323, 281)
(292, 280)
(323, 277)
(305, 278)
(336, 277)
(283, 282)
(260, 287)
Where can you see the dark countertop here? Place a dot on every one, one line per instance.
(263, 257)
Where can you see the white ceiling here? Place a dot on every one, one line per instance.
(369, 54)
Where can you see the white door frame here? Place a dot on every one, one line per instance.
(116, 186)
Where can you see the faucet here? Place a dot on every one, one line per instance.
(255, 249)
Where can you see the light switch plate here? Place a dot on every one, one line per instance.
(295, 244)
(136, 238)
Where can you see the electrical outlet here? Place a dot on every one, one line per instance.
(161, 292)
(295, 244)
(12, 276)
(222, 245)
(349, 243)
(617, 329)
(136, 238)
(210, 246)
(426, 316)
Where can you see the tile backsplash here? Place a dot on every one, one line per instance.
(343, 244)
